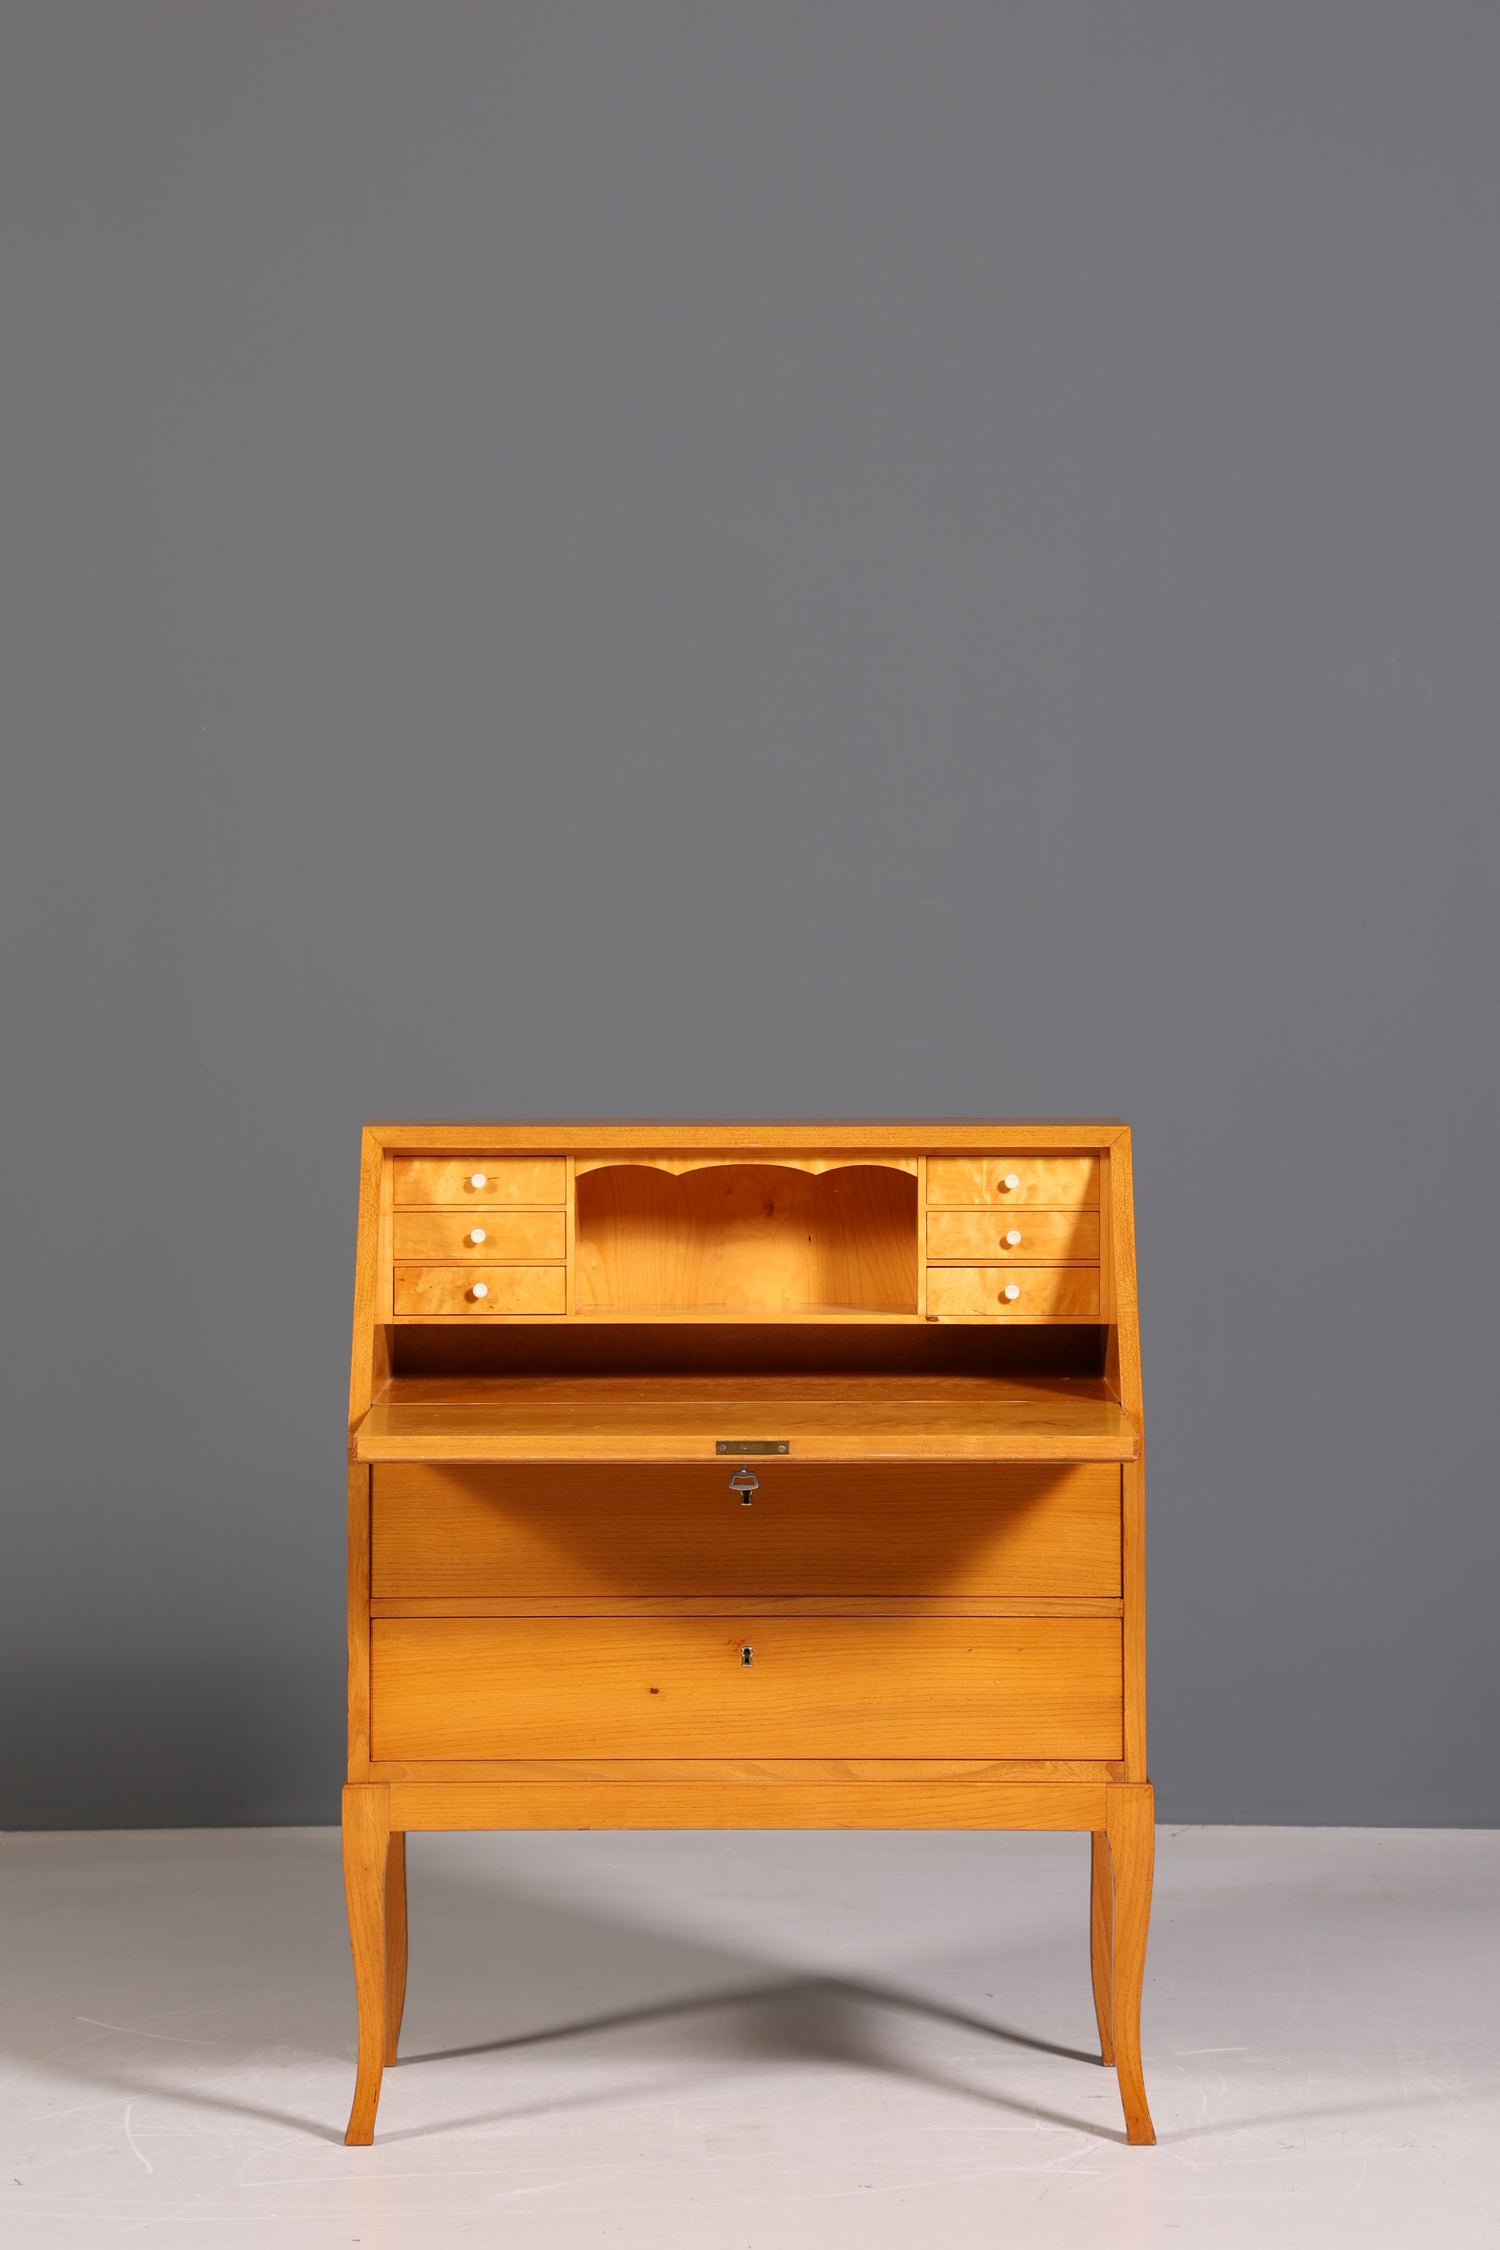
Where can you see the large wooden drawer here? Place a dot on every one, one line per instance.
(1054, 1182)
(679, 1531)
(478, 1292)
(816, 1687)
(1041, 1292)
(481, 1180)
(1020, 1238)
(481, 1237)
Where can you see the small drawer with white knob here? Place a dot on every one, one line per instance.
(481, 1238)
(480, 1181)
(1024, 1238)
(1052, 1182)
(1013, 1292)
(479, 1292)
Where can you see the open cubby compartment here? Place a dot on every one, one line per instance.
(420, 1355)
(768, 1241)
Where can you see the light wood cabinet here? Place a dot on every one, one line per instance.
(747, 1476)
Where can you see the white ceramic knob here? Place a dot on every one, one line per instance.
(477, 1179)
(476, 1234)
(1011, 1180)
(1013, 1238)
(480, 1289)
(1011, 1291)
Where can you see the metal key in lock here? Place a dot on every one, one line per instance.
(744, 1482)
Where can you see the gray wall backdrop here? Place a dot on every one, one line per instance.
(754, 559)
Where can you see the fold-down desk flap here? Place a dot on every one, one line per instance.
(873, 1419)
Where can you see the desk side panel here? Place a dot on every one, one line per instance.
(369, 1361)
(359, 1621)
(1123, 1371)
(1122, 1364)
(1133, 1572)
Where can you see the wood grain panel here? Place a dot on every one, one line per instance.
(1133, 1572)
(960, 1772)
(1053, 1182)
(751, 1605)
(1045, 1292)
(447, 1292)
(681, 1531)
(736, 1804)
(816, 1687)
(645, 1137)
(358, 1619)
(443, 1235)
(687, 1157)
(983, 1236)
(369, 1360)
(762, 1238)
(506, 1179)
(657, 1417)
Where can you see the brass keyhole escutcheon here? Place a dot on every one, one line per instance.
(747, 1655)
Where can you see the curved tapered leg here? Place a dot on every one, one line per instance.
(366, 1845)
(1102, 1941)
(1130, 1811)
(395, 1941)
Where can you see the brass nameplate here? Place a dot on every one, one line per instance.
(753, 1445)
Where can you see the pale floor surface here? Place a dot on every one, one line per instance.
(753, 2042)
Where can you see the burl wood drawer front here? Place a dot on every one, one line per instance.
(481, 1237)
(481, 1180)
(815, 1687)
(670, 1531)
(1054, 1182)
(1015, 1292)
(478, 1292)
(1019, 1238)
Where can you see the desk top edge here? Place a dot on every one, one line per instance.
(929, 1133)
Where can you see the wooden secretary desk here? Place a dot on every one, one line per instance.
(746, 1476)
